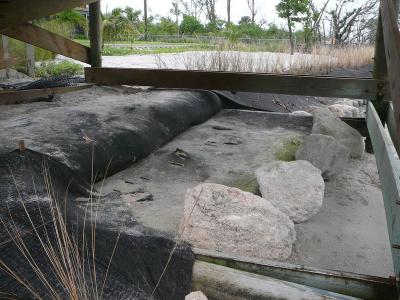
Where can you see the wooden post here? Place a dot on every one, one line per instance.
(95, 33)
(380, 71)
(30, 60)
(6, 53)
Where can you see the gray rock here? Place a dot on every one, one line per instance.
(325, 122)
(227, 219)
(196, 296)
(325, 153)
(296, 188)
(344, 110)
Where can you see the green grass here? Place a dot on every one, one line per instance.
(50, 69)
(120, 51)
(287, 151)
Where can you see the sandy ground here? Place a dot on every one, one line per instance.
(348, 234)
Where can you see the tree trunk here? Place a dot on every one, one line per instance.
(145, 19)
(253, 12)
(228, 7)
(290, 36)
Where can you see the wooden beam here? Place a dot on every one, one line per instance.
(389, 171)
(20, 11)
(42, 38)
(95, 34)
(218, 282)
(391, 125)
(360, 286)
(231, 81)
(26, 96)
(392, 48)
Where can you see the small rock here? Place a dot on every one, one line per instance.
(226, 219)
(196, 296)
(324, 152)
(301, 113)
(325, 122)
(344, 111)
(296, 188)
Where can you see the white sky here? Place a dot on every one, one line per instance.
(266, 8)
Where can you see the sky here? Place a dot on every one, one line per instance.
(266, 8)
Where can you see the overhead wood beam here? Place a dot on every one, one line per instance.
(45, 39)
(231, 81)
(21, 11)
(392, 49)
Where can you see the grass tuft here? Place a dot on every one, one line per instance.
(287, 151)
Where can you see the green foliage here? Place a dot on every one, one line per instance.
(190, 25)
(165, 27)
(51, 69)
(288, 149)
(293, 10)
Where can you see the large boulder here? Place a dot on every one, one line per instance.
(324, 152)
(227, 219)
(296, 188)
(325, 122)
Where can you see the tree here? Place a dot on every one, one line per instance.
(293, 11)
(193, 8)
(132, 15)
(175, 11)
(145, 19)
(244, 20)
(228, 9)
(210, 10)
(346, 22)
(191, 25)
(253, 10)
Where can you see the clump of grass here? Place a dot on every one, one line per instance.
(50, 69)
(287, 151)
(72, 264)
(232, 58)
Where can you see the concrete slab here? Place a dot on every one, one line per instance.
(348, 234)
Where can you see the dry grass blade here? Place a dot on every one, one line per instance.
(69, 264)
(177, 243)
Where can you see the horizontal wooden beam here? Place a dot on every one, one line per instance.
(391, 36)
(233, 81)
(360, 286)
(25, 96)
(45, 39)
(389, 175)
(20, 11)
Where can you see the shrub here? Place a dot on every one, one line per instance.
(191, 25)
(51, 69)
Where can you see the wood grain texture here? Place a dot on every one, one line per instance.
(21, 11)
(42, 38)
(231, 81)
(392, 49)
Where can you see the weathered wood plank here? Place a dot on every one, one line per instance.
(42, 38)
(392, 46)
(391, 125)
(361, 286)
(223, 283)
(25, 96)
(21, 11)
(389, 174)
(232, 81)
(95, 34)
